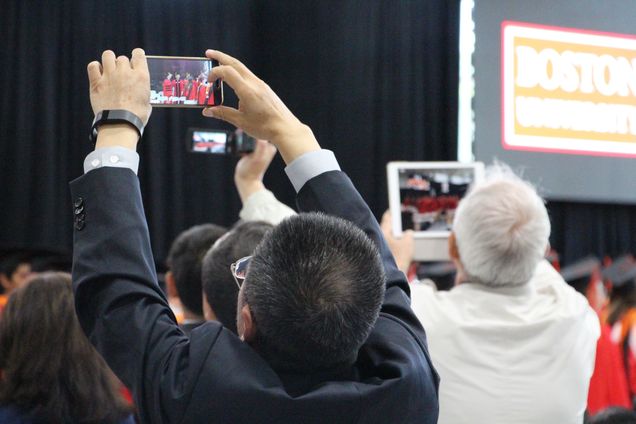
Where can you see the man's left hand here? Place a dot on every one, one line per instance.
(120, 83)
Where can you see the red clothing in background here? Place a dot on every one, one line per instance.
(168, 88)
(608, 386)
(192, 95)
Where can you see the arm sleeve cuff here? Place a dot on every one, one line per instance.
(116, 157)
(263, 206)
(310, 165)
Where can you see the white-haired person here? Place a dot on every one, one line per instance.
(512, 342)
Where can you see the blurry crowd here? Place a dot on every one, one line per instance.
(50, 369)
(287, 317)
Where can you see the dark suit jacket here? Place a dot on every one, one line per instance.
(187, 328)
(212, 376)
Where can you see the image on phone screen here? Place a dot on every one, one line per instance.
(429, 198)
(183, 82)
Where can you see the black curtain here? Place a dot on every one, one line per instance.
(376, 81)
(582, 229)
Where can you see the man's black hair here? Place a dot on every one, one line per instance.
(184, 260)
(218, 283)
(314, 286)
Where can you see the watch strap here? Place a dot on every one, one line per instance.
(115, 116)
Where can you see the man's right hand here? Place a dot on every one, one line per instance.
(260, 111)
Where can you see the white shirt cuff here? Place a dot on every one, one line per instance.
(115, 157)
(263, 206)
(310, 165)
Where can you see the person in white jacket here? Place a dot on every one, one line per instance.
(512, 342)
(259, 204)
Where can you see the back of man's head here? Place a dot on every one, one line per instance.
(184, 261)
(314, 288)
(219, 286)
(501, 229)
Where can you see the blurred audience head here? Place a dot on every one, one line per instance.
(15, 270)
(500, 231)
(50, 371)
(219, 288)
(184, 262)
(621, 278)
(312, 293)
(613, 415)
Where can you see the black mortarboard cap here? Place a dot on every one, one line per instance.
(621, 271)
(442, 273)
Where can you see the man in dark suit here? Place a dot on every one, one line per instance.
(325, 329)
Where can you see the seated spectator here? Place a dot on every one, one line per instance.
(261, 210)
(326, 332)
(49, 371)
(220, 291)
(512, 342)
(183, 279)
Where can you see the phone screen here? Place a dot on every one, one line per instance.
(213, 142)
(183, 82)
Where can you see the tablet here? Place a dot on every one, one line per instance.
(423, 197)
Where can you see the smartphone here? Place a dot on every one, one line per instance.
(177, 81)
(219, 142)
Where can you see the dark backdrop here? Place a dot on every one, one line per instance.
(376, 81)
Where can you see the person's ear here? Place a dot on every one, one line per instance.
(453, 251)
(208, 312)
(171, 285)
(248, 332)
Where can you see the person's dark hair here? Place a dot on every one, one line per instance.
(50, 371)
(622, 299)
(10, 263)
(614, 415)
(184, 260)
(314, 286)
(218, 284)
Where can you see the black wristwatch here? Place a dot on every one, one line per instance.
(115, 116)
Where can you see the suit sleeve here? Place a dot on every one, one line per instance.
(334, 194)
(118, 301)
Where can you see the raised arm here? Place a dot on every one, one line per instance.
(118, 301)
(259, 204)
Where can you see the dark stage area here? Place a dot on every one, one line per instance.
(376, 81)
